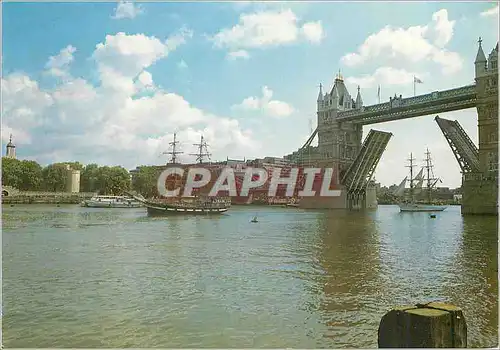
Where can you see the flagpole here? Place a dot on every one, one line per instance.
(414, 91)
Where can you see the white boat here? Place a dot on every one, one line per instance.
(411, 204)
(421, 207)
(111, 202)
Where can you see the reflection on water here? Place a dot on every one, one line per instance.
(83, 277)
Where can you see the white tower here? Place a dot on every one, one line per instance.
(10, 149)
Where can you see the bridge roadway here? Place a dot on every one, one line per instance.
(401, 108)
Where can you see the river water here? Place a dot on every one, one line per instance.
(83, 277)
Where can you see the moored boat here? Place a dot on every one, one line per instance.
(411, 204)
(195, 205)
(420, 207)
(111, 202)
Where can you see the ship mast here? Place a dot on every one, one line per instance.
(174, 152)
(428, 167)
(202, 151)
(411, 166)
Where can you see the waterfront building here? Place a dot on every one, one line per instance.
(73, 180)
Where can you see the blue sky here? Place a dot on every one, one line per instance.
(124, 77)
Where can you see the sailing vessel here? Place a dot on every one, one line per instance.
(411, 204)
(199, 203)
(186, 205)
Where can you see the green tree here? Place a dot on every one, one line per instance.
(144, 180)
(30, 176)
(89, 178)
(55, 177)
(11, 172)
(25, 175)
(112, 180)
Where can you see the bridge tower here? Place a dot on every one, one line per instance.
(339, 147)
(480, 188)
(338, 143)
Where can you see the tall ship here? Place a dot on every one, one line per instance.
(199, 202)
(408, 199)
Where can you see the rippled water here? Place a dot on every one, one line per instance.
(83, 277)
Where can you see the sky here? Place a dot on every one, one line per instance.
(109, 83)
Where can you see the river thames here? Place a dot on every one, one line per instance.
(83, 277)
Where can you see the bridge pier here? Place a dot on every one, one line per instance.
(479, 195)
(356, 200)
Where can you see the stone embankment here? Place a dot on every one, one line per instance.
(35, 197)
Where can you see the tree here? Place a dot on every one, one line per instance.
(145, 179)
(89, 178)
(55, 177)
(11, 172)
(112, 180)
(25, 175)
(30, 176)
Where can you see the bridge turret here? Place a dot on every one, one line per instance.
(359, 101)
(493, 59)
(334, 95)
(480, 61)
(320, 97)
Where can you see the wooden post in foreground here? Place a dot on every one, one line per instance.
(432, 325)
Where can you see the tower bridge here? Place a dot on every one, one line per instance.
(339, 131)
(401, 108)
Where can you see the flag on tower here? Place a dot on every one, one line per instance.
(378, 94)
(415, 81)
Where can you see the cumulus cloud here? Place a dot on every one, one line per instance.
(127, 9)
(413, 44)
(267, 29)
(58, 65)
(491, 12)
(265, 104)
(385, 76)
(112, 123)
(313, 31)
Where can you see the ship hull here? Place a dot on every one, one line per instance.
(421, 207)
(168, 211)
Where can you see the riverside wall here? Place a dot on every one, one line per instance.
(34, 197)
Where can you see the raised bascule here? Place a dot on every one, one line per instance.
(339, 131)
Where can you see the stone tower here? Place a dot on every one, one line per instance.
(10, 149)
(487, 109)
(480, 190)
(338, 142)
(73, 180)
